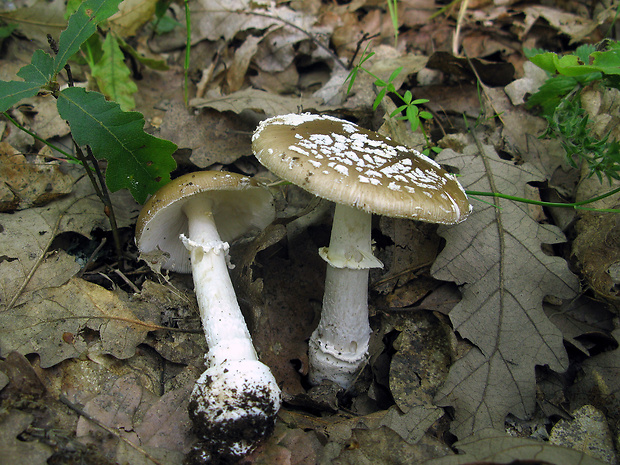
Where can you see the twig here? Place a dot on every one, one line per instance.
(109, 208)
(112, 431)
(358, 47)
(91, 258)
(36, 264)
(126, 279)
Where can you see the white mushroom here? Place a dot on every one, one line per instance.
(364, 173)
(235, 401)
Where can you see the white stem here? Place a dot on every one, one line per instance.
(235, 401)
(227, 334)
(339, 345)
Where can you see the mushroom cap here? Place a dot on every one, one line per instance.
(239, 205)
(347, 164)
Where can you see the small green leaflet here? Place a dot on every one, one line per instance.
(113, 75)
(82, 24)
(36, 75)
(136, 160)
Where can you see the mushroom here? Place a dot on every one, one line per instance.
(235, 401)
(363, 172)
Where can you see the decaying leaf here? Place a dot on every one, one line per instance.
(496, 255)
(493, 446)
(213, 137)
(12, 424)
(26, 184)
(26, 235)
(53, 323)
(132, 15)
(254, 99)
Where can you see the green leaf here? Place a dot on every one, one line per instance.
(82, 24)
(7, 30)
(40, 69)
(136, 160)
(545, 61)
(584, 52)
(12, 92)
(395, 73)
(379, 98)
(113, 75)
(408, 96)
(607, 62)
(551, 93)
(159, 65)
(36, 75)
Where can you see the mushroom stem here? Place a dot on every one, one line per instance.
(225, 329)
(339, 345)
(235, 401)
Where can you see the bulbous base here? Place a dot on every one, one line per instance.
(233, 406)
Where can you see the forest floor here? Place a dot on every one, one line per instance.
(494, 340)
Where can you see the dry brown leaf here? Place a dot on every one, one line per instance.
(27, 184)
(53, 321)
(254, 99)
(131, 16)
(25, 236)
(212, 136)
(497, 256)
(491, 446)
(14, 450)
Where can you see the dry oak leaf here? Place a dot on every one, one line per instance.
(254, 99)
(215, 19)
(496, 256)
(490, 446)
(52, 323)
(25, 184)
(14, 451)
(26, 235)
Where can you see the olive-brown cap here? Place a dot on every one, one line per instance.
(239, 204)
(345, 163)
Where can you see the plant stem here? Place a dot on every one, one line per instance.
(574, 205)
(188, 43)
(30, 133)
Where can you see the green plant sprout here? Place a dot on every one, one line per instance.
(559, 102)
(136, 160)
(408, 111)
(393, 11)
(609, 163)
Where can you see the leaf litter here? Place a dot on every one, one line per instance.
(103, 344)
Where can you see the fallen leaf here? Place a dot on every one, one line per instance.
(212, 136)
(491, 446)
(26, 235)
(254, 99)
(53, 323)
(12, 424)
(496, 256)
(30, 183)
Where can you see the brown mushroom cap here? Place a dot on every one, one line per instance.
(342, 162)
(238, 203)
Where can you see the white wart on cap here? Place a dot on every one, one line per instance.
(347, 164)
